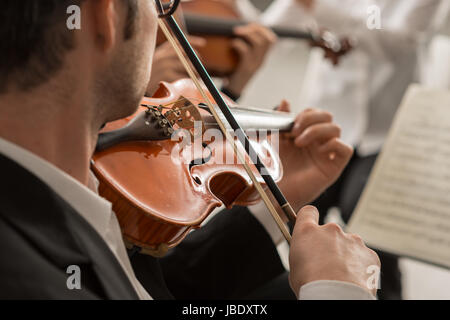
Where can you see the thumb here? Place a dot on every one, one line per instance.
(308, 214)
(284, 106)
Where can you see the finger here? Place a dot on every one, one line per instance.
(269, 35)
(265, 34)
(341, 150)
(244, 30)
(255, 40)
(197, 42)
(308, 118)
(242, 48)
(355, 237)
(255, 28)
(318, 133)
(284, 106)
(307, 214)
(255, 35)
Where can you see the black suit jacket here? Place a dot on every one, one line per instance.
(231, 257)
(41, 235)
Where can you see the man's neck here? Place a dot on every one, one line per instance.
(60, 134)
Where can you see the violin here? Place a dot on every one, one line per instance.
(160, 192)
(215, 20)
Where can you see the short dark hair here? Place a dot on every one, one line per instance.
(34, 40)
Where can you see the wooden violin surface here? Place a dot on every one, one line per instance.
(160, 190)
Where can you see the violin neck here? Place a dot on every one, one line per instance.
(203, 25)
(258, 119)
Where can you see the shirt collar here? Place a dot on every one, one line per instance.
(93, 208)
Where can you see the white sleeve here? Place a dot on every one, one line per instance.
(317, 290)
(333, 290)
(262, 214)
(402, 28)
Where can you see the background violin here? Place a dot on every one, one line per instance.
(158, 194)
(215, 20)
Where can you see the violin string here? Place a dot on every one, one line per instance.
(239, 155)
(166, 105)
(193, 99)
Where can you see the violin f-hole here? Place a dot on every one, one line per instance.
(200, 161)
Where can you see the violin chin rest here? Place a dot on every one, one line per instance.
(149, 125)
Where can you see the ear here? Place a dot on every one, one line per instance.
(106, 20)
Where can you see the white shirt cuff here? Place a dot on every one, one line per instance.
(316, 290)
(333, 290)
(262, 214)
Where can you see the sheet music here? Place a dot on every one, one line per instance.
(405, 207)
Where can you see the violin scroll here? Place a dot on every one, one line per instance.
(334, 47)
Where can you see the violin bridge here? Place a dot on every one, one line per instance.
(185, 115)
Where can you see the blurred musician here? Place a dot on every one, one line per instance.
(252, 43)
(365, 89)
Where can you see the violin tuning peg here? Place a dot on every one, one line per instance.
(151, 117)
(168, 131)
(163, 123)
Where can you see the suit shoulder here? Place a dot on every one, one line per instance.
(26, 273)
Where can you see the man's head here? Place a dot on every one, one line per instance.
(111, 53)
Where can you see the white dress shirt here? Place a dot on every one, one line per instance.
(364, 91)
(98, 213)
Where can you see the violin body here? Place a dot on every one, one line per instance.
(218, 54)
(160, 193)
